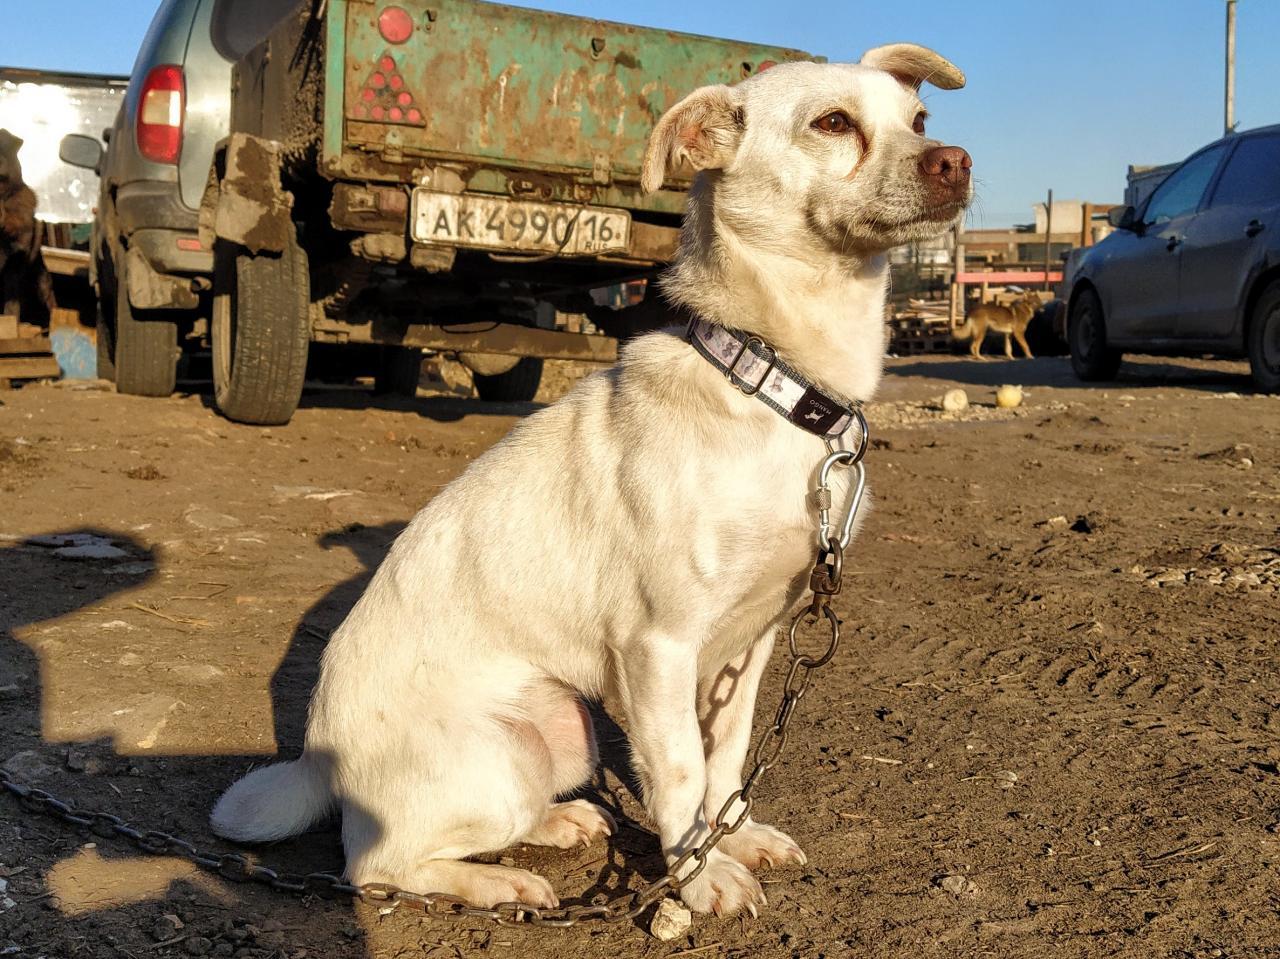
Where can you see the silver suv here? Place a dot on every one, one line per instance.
(148, 266)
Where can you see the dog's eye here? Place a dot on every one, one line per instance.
(837, 121)
(918, 123)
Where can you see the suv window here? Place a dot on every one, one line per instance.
(1252, 176)
(1181, 193)
(237, 26)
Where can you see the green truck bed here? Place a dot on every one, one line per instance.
(503, 89)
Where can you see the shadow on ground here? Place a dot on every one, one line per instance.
(1142, 372)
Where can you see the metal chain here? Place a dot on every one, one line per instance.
(824, 582)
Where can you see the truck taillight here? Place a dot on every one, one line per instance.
(160, 110)
(395, 25)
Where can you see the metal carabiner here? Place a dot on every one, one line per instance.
(858, 487)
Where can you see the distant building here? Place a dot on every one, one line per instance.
(1143, 180)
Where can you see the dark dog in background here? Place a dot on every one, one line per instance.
(25, 288)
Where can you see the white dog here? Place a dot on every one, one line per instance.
(642, 538)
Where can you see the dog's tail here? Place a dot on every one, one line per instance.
(274, 802)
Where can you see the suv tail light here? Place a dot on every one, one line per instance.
(160, 111)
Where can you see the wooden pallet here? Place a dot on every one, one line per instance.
(25, 357)
(917, 333)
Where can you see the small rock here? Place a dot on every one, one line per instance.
(1168, 578)
(671, 920)
(224, 949)
(166, 927)
(198, 946)
(1005, 779)
(957, 885)
(1055, 522)
(145, 472)
(1009, 397)
(954, 401)
(28, 765)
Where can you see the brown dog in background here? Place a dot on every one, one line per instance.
(1010, 320)
(24, 281)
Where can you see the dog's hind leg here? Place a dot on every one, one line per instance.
(1008, 347)
(726, 704)
(975, 348)
(445, 787)
(562, 731)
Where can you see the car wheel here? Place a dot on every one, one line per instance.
(1091, 357)
(261, 332)
(399, 369)
(1264, 340)
(518, 385)
(142, 345)
(106, 350)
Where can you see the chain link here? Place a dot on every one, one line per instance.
(825, 582)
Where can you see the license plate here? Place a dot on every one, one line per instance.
(497, 223)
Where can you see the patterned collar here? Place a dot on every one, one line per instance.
(754, 367)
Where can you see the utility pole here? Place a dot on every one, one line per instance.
(1048, 239)
(1230, 105)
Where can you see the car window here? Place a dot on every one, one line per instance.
(1182, 191)
(1252, 176)
(237, 26)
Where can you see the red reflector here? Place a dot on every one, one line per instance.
(161, 105)
(188, 243)
(395, 25)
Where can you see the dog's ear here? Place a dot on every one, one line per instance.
(913, 65)
(9, 143)
(704, 130)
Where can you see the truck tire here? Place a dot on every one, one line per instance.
(518, 385)
(1264, 339)
(142, 348)
(106, 351)
(1091, 357)
(399, 369)
(261, 332)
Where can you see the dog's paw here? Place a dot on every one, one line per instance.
(570, 824)
(485, 885)
(724, 887)
(513, 885)
(758, 846)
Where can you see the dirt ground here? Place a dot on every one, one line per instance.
(1054, 730)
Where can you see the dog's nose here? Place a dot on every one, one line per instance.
(950, 165)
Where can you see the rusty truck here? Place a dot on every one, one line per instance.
(438, 175)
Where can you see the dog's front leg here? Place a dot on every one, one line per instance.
(726, 705)
(659, 688)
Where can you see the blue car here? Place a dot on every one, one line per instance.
(1194, 270)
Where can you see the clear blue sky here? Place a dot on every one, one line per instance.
(1061, 94)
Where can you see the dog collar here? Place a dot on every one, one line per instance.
(754, 367)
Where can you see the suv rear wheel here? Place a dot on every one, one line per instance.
(141, 346)
(1264, 339)
(517, 385)
(1091, 358)
(261, 332)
